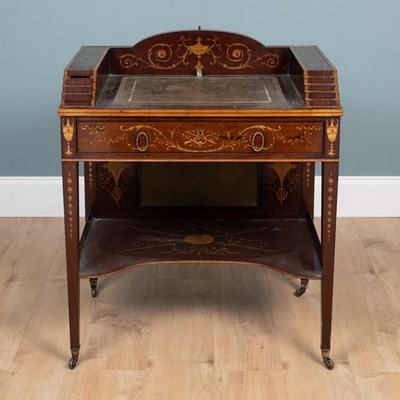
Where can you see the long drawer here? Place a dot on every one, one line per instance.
(199, 137)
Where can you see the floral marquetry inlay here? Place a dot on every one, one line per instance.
(70, 198)
(305, 137)
(208, 140)
(114, 178)
(201, 138)
(96, 134)
(330, 204)
(208, 240)
(332, 130)
(308, 175)
(231, 56)
(68, 134)
(287, 176)
(90, 168)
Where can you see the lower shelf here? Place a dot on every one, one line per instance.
(289, 246)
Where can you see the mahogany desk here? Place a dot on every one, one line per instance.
(200, 146)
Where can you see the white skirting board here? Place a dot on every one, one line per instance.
(359, 196)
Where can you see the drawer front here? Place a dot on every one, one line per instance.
(200, 137)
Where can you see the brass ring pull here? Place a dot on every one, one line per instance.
(146, 146)
(257, 149)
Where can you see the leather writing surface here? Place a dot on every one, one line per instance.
(236, 92)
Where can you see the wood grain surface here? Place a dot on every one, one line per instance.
(199, 331)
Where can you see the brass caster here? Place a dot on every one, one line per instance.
(302, 289)
(329, 363)
(327, 360)
(74, 359)
(72, 362)
(93, 287)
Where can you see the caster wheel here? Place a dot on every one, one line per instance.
(300, 291)
(72, 362)
(93, 287)
(329, 363)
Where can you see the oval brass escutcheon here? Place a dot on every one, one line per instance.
(199, 239)
(146, 141)
(257, 148)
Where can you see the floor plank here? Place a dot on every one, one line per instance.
(199, 331)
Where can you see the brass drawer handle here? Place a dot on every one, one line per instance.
(257, 149)
(146, 145)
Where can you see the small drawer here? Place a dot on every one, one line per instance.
(200, 137)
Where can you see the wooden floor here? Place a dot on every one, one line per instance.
(199, 332)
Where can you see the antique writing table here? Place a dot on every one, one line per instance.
(200, 146)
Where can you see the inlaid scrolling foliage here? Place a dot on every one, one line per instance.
(208, 140)
(203, 240)
(209, 50)
(202, 139)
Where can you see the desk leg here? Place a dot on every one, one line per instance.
(330, 172)
(71, 222)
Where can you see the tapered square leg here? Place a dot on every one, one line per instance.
(71, 222)
(330, 172)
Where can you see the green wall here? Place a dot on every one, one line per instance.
(38, 38)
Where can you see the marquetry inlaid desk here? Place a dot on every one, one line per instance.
(200, 146)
